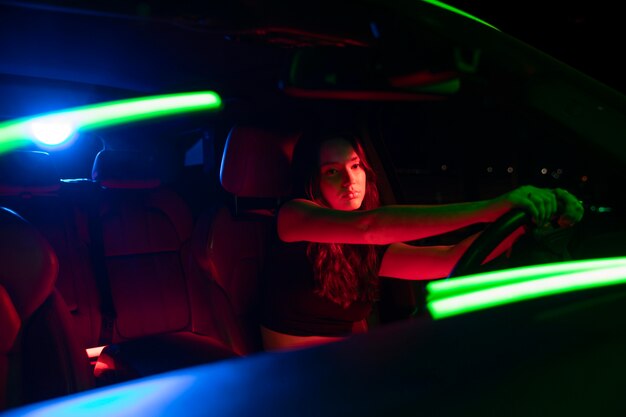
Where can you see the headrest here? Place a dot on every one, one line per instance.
(29, 264)
(257, 162)
(125, 169)
(28, 172)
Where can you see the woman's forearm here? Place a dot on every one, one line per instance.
(403, 223)
(304, 220)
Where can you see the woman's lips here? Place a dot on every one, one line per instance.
(351, 195)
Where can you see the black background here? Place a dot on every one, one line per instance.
(587, 35)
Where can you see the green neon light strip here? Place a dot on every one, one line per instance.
(458, 11)
(15, 133)
(449, 287)
(505, 294)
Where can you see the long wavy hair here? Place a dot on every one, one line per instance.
(344, 273)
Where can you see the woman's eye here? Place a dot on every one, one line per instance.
(330, 172)
(356, 166)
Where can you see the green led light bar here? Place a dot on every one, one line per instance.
(564, 277)
(448, 287)
(14, 133)
(458, 11)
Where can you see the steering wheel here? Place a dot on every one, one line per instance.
(488, 240)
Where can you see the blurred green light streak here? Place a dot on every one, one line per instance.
(458, 11)
(561, 278)
(448, 287)
(17, 132)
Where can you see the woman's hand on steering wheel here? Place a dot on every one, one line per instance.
(541, 206)
(570, 209)
(545, 205)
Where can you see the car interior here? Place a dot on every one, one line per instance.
(139, 248)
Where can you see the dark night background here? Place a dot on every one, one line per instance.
(587, 35)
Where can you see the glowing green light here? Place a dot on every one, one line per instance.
(448, 287)
(12, 135)
(563, 278)
(445, 87)
(15, 133)
(458, 11)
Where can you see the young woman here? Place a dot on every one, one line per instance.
(335, 240)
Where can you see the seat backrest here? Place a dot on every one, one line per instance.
(41, 355)
(256, 162)
(229, 242)
(31, 186)
(145, 227)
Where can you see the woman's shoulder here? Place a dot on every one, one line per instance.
(292, 213)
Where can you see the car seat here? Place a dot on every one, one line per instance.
(229, 241)
(41, 356)
(144, 228)
(31, 186)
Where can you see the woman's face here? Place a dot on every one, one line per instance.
(342, 177)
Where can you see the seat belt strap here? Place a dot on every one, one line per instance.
(107, 308)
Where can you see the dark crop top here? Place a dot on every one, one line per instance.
(290, 304)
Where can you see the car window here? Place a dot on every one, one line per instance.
(466, 149)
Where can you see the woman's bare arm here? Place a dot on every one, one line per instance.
(304, 220)
(431, 262)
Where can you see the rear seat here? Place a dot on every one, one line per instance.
(145, 232)
(45, 354)
(173, 301)
(157, 297)
(30, 185)
(40, 355)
